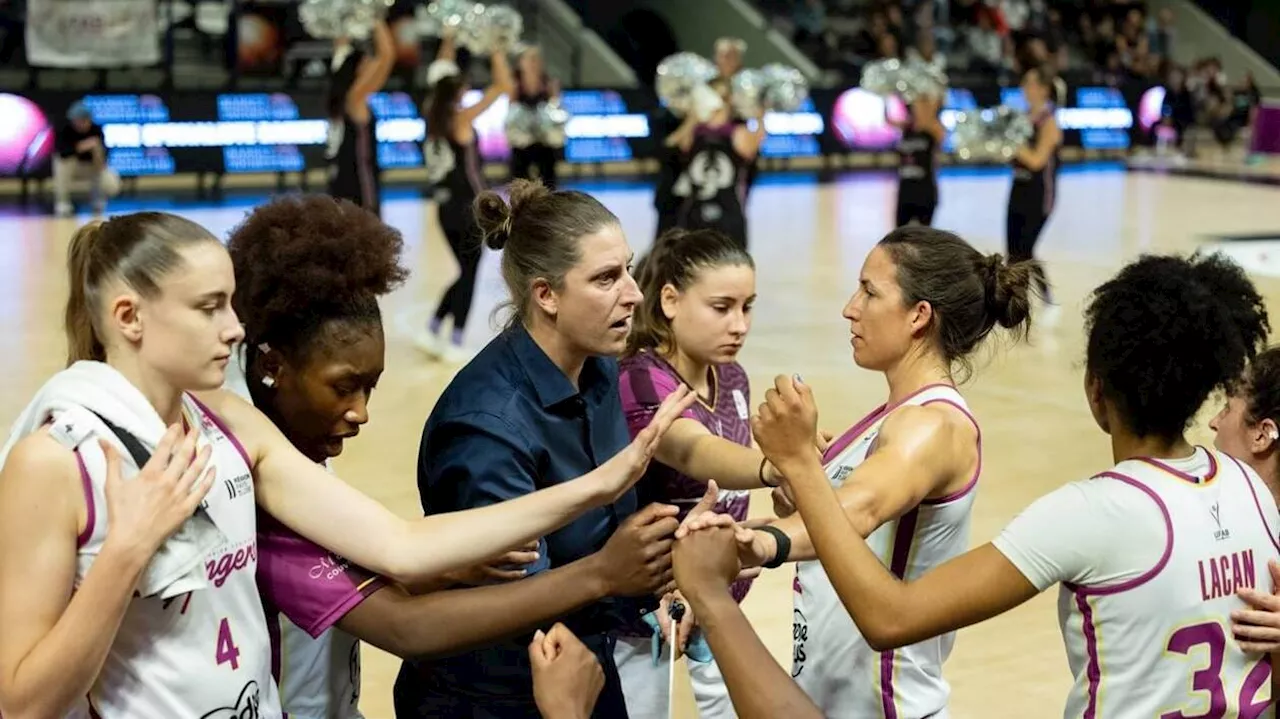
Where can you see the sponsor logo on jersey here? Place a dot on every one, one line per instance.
(231, 561)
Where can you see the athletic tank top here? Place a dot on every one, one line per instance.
(206, 653)
(832, 662)
(713, 184)
(1036, 190)
(454, 170)
(352, 156)
(644, 381)
(917, 155)
(1161, 643)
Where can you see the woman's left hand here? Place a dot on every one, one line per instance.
(683, 629)
(1257, 630)
(503, 568)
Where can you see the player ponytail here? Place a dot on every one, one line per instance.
(137, 250)
(968, 292)
(82, 336)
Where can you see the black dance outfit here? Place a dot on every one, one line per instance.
(1031, 201)
(713, 184)
(917, 176)
(539, 155)
(352, 156)
(458, 168)
(670, 166)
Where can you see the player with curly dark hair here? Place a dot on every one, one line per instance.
(309, 272)
(1163, 334)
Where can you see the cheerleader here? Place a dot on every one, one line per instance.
(532, 88)
(719, 152)
(452, 156)
(728, 59)
(922, 135)
(352, 152)
(1035, 180)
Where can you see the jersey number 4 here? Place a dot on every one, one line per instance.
(227, 652)
(1208, 680)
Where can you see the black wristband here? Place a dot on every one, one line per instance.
(784, 546)
(763, 462)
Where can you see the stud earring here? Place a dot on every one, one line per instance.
(269, 381)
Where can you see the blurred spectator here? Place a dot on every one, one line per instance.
(926, 51)
(1160, 33)
(81, 154)
(810, 17)
(985, 44)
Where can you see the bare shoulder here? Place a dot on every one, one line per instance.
(41, 456)
(245, 421)
(934, 426)
(41, 476)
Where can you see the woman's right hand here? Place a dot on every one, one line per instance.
(626, 468)
(146, 510)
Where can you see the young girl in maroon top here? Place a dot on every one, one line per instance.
(699, 287)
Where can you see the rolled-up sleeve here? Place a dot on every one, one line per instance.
(477, 460)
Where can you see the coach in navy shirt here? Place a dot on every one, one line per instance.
(538, 406)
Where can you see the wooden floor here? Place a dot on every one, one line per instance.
(808, 241)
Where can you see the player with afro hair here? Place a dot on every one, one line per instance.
(309, 272)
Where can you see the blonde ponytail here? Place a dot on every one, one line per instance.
(83, 342)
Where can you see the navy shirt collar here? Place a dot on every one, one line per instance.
(548, 380)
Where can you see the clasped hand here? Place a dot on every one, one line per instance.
(713, 550)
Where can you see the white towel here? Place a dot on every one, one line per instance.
(178, 566)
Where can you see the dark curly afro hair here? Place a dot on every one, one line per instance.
(1167, 332)
(305, 262)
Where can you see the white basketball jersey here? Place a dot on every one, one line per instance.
(318, 677)
(204, 654)
(832, 662)
(1160, 644)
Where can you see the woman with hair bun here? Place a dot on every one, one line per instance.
(540, 404)
(309, 273)
(116, 559)
(906, 474)
(1150, 555)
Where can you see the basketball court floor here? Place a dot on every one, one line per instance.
(809, 240)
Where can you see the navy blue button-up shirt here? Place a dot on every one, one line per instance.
(511, 423)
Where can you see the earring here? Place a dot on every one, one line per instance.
(269, 381)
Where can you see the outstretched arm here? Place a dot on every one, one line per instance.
(323, 508)
(921, 451)
(706, 563)
(635, 561)
(890, 613)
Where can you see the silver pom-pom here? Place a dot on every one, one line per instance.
(501, 27)
(785, 88)
(908, 80)
(991, 133)
(353, 19)
(521, 125)
(552, 120)
(747, 92)
(678, 75)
